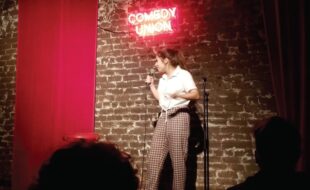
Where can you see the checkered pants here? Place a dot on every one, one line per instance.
(170, 135)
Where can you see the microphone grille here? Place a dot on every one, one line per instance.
(151, 71)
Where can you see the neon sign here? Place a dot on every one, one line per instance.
(152, 23)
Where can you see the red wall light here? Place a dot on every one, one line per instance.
(157, 21)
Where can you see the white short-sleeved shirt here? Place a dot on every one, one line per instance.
(181, 81)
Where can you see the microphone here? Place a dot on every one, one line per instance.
(151, 72)
(204, 79)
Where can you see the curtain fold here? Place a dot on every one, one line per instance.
(286, 24)
(55, 80)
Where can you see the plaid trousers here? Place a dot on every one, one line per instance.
(170, 135)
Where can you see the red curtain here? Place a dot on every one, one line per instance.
(287, 29)
(55, 80)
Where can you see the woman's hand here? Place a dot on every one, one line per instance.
(173, 95)
(149, 80)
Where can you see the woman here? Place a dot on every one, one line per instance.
(175, 90)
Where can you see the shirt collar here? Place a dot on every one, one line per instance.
(175, 73)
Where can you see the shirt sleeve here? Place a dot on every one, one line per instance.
(188, 82)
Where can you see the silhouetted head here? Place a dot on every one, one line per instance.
(277, 144)
(87, 165)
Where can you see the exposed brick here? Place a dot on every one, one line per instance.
(8, 43)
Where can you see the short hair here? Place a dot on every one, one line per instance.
(277, 143)
(87, 165)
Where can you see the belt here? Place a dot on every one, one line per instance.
(175, 111)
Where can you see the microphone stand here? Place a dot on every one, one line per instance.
(205, 139)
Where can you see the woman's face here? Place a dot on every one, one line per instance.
(160, 65)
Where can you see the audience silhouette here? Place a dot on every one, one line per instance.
(87, 165)
(277, 152)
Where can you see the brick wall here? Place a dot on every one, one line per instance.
(222, 40)
(8, 45)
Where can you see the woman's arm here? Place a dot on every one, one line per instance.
(150, 80)
(154, 91)
(191, 95)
